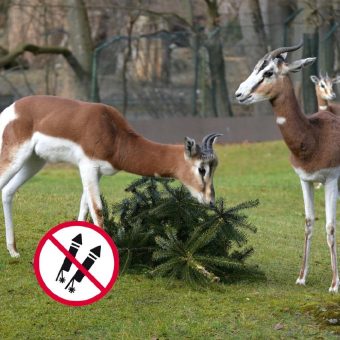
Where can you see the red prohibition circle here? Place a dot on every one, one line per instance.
(48, 236)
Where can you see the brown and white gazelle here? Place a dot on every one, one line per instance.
(325, 93)
(98, 140)
(314, 141)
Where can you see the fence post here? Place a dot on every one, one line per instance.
(94, 81)
(94, 84)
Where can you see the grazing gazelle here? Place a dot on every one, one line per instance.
(324, 93)
(98, 140)
(314, 141)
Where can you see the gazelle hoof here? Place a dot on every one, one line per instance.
(334, 288)
(301, 282)
(13, 252)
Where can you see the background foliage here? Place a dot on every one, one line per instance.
(152, 58)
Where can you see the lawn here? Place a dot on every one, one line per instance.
(262, 306)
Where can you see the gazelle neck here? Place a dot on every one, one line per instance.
(322, 103)
(295, 127)
(142, 157)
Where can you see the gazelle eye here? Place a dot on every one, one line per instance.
(268, 74)
(322, 86)
(201, 171)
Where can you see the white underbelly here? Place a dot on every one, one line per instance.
(55, 150)
(319, 176)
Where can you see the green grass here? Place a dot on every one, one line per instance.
(141, 308)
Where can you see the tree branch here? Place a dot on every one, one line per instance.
(67, 54)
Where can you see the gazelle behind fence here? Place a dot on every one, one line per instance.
(99, 141)
(314, 142)
(325, 93)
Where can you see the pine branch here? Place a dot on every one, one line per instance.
(162, 227)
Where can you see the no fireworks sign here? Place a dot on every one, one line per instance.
(76, 263)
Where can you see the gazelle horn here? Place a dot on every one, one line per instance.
(208, 141)
(280, 50)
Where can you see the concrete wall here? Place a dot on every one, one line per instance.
(234, 129)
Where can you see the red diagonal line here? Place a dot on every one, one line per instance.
(76, 263)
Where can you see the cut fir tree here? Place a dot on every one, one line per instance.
(162, 228)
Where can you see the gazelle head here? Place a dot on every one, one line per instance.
(264, 83)
(201, 162)
(324, 86)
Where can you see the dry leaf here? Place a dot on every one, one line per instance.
(279, 326)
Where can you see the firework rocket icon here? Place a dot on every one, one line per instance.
(75, 245)
(93, 255)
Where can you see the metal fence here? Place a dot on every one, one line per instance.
(155, 75)
(168, 73)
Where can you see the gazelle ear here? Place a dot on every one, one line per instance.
(297, 65)
(314, 79)
(190, 147)
(284, 56)
(336, 80)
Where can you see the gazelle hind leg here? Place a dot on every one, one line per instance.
(331, 194)
(28, 170)
(11, 161)
(90, 178)
(308, 198)
(84, 207)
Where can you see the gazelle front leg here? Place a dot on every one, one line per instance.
(308, 198)
(331, 194)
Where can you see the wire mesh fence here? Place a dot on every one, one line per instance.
(155, 75)
(162, 69)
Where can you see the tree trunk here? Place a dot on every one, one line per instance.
(326, 38)
(219, 90)
(253, 30)
(310, 49)
(336, 6)
(277, 12)
(254, 39)
(188, 12)
(81, 47)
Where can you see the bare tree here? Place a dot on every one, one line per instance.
(326, 37)
(336, 14)
(254, 36)
(219, 91)
(254, 40)
(81, 46)
(78, 56)
(277, 16)
(310, 49)
(127, 58)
